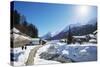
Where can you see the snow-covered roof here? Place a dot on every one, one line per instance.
(79, 36)
(91, 35)
(95, 32)
(35, 38)
(16, 30)
(92, 40)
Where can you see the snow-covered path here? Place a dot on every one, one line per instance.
(30, 60)
(22, 58)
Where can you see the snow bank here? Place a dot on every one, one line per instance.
(38, 60)
(65, 52)
(72, 53)
(22, 58)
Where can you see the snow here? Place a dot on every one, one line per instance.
(79, 36)
(42, 61)
(92, 40)
(76, 52)
(83, 51)
(35, 41)
(95, 32)
(38, 60)
(20, 36)
(16, 30)
(16, 35)
(22, 58)
(91, 35)
(65, 52)
(20, 39)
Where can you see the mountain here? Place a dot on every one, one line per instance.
(47, 36)
(77, 29)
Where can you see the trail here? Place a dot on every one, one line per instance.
(30, 60)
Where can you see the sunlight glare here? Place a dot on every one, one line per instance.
(83, 10)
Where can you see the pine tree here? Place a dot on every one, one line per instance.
(69, 38)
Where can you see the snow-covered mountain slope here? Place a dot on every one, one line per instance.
(19, 39)
(16, 30)
(47, 36)
(62, 52)
(77, 29)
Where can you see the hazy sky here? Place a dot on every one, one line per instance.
(54, 17)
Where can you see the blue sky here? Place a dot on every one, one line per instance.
(54, 17)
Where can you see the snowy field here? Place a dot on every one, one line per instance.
(56, 52)
(70, 53)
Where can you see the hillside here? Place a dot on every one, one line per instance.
(77, 30)
(19, 39)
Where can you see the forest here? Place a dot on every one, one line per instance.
(20, 22)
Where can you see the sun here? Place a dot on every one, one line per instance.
(83, 10)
